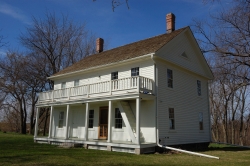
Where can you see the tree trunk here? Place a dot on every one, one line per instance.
(45, 122)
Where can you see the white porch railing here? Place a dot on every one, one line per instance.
(85, 91)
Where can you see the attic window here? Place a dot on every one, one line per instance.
(184, 55)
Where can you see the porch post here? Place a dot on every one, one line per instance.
(138, 105)
(109, 121)
(67, 123)
(50, 121)
(86, 122)
(37, 119)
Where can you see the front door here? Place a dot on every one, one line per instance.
(103, 123)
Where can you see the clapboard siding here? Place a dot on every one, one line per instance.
(172, 52)
(186, 103)
(146, 69)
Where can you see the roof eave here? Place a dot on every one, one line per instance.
(100, 66)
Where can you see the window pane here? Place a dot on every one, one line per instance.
(114, 75)
(135, 71)
(63, 85)
(61, 115)
(118, 118)
(201, 120)
(76, 83)
(171, 124)
(60, 124)
(91, 118)
(170, 78)
(171, 118)
(199, 87)
(91, 122)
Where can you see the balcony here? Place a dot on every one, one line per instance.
(116, 87)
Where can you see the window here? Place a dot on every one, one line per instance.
(114, 75)
(171, 118)
(170, 78)
(91, 118)
(135, 71)
(63, 85)
(61, 117)
(201, 120)
(118, 119)
(199, 87)
(76, 83)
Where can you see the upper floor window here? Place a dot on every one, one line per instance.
(201, 120)
(118, 118)
(199, 87)
(171, 118)
(170, 78)
(135, 71)
(114, 75)
(63, 85)
(61, 117)
(76, 83)
(91, 118)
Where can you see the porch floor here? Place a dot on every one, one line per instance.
(99, 144)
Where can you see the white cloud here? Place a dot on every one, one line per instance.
(13, 12)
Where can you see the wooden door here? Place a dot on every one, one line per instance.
(103, 123)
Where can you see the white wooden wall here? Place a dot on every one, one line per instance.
(187, 105)
(124, 70)
(77, 122)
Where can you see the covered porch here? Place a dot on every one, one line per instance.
(112, 124)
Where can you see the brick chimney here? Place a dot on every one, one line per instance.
(99, 45)
(170, 19)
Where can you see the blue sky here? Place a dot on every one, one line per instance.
(144, 19)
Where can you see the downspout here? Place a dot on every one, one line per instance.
(157, 123)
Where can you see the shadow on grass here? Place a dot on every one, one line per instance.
(230, 148)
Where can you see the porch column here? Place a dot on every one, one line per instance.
(109, 121)
(86, 122)
(67, 123)
(138, 105)
(37, 119)
(50, 122)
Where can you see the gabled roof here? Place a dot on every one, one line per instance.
(125, 52)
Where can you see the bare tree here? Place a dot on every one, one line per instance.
(11, 75)
(229, 107)
(54, 44)
(228, 33)
(59, 42)
(116, 3)
(225, 38)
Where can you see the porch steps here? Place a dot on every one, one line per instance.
(131, 118)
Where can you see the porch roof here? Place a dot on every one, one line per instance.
(121, 53)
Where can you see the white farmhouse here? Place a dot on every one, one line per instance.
(134, 97)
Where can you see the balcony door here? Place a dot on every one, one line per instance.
(103, 123)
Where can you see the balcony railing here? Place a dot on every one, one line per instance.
(138, 84)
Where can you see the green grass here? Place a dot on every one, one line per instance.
(16, 149)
